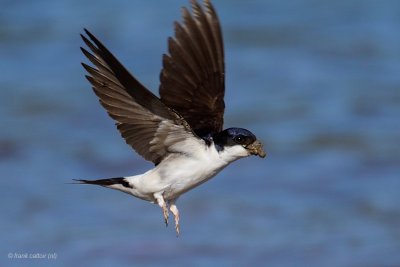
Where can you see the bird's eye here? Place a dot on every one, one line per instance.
(239, 139)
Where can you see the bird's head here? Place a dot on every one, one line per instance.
(240, 141)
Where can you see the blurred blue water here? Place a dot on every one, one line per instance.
(317, 81)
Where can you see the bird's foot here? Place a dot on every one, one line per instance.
(161, 202)
(166, 214)
(177, 229)
(175, 212)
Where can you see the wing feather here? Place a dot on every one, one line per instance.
(150, 127)
(193, 74)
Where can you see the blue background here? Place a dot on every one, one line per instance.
(317, 81)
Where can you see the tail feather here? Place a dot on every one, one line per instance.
(106, 182)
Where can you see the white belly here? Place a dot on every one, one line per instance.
(179, 173)
(191, 174)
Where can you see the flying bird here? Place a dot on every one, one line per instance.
(181, 131)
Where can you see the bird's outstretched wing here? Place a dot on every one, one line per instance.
(193, 74)
(148, 125)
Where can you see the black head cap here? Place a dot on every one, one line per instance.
(234, 136)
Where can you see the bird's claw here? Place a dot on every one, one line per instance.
(161, 202)
(166, 215)
(175, 212)
(177, 229)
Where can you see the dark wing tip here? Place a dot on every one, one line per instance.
(88, 32)
(195, 62)
(84, 51)
(94, 40)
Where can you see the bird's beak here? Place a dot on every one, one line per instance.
(256, 148)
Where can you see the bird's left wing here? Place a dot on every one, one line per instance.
(151, 128)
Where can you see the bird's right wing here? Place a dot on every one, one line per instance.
(148, 125)
(193, 74)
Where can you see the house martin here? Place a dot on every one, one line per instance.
(180, 131)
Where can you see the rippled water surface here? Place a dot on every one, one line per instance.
(317, 81)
